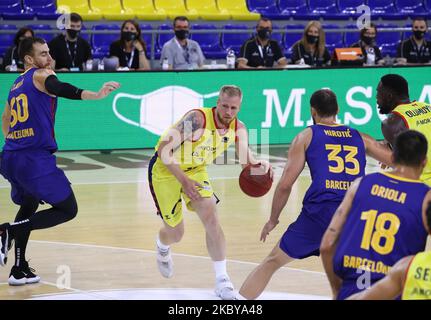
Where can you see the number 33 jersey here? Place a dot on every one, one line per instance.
(32, 116)
(336, 157)
(384, 225)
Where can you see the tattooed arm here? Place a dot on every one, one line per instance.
(189, 127)
(332, 235)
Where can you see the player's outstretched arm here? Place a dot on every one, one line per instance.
(330, 239)
(5, 120)
(189, 127)
(243, 152)
(377, 150)
(390, 286)
(46, 81)
(294, 166)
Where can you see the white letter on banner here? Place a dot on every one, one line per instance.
(426, 94)
(348, 117)
(272, 97)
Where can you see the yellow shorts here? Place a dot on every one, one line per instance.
(167, 190)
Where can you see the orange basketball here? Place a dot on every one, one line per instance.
(254, 182)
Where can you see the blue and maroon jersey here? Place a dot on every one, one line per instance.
(33, 116)
(336, 157)
(384, 225)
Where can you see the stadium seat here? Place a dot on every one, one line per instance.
(237, 10)
(412, 8)
(323, 8)
(384, 9)
(351, 37)
(206, 10)
(147, 37)
(427, 4)
(209, 42)
(267, 8)
(388, 41)
(333, 39)
(43, 9)
(297, 9)
(348, 7)
(102, 42)
(143, 9)
(85, 36)
(6, 39)
(37, 27)
(12, 10)
(277, 36)
(78, 6)
(111, 10)
(163, 38)
(174, 8)
(234, 41)
(291, 37)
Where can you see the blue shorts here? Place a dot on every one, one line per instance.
(34, 173)
(303, 237)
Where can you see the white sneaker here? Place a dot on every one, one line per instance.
(165, 263)
(224, 288)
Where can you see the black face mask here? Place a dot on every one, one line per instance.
(264, 33)
(128, 35)
(312, 39)
(371, 41)
(182, 34)
(419, 34)
(72, 33)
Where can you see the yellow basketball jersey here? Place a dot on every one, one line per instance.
(417, 116)
(418, 280)
(193, 154)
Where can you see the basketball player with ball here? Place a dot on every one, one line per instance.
(178, 171)
(336, 156)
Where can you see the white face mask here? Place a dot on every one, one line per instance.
(161, 108)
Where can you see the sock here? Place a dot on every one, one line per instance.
(240, 297)
(220, 268)
(162, 246)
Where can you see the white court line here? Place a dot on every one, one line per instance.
(99, 296)
(153, 252)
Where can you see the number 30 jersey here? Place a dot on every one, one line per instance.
(32, 116)
(384, 225)
(336, 157)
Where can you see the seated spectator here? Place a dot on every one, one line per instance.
(12, 52)
(181, 52)
(367, 43)
(69, 50)
(260, 51)
(415, 50)
(311, 49)
(131, 48)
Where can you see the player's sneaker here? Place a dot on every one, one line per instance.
(4, 244)
(224, 288)
(22, 275)
(164, 262)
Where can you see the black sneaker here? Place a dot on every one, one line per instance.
(4, 244)
(22, 275)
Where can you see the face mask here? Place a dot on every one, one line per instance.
(72, 33)
(182, 34)
(264, 33)
(419, 34)
(312, 39)
(158, 109)
(128, 35)
(371, 41)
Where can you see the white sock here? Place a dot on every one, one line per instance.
(240, 297)
(162, 246)
(220, 268)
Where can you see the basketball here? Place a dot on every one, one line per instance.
(254, 182)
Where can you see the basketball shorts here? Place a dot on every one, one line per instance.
(34, 173)
(303, 237)
(167, 190)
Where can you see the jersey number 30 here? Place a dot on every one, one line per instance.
(18, 109)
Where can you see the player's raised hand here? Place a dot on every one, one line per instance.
(107, 88)
(267, 228)
(267, 167)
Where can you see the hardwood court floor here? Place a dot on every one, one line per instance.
(107, 252)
